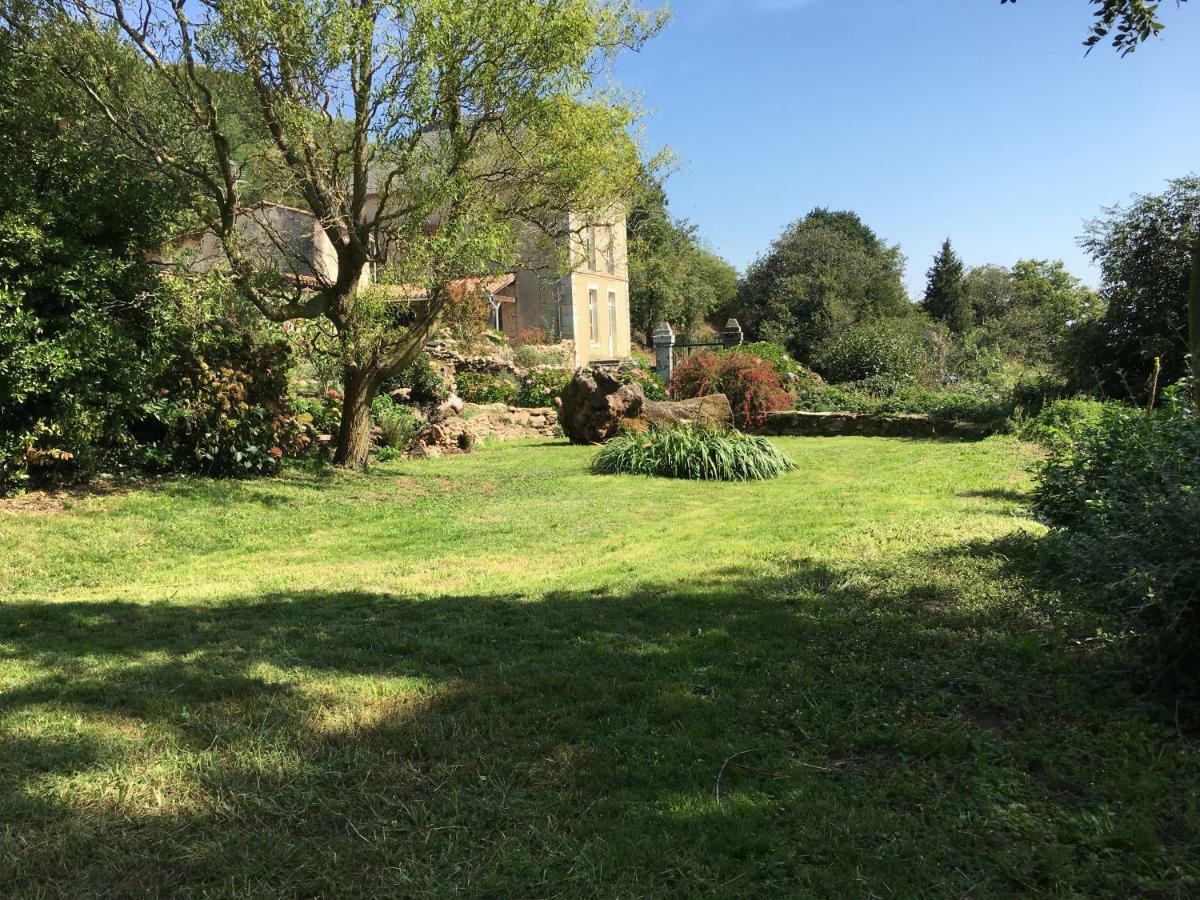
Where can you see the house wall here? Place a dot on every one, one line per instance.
(288, 239)
(606, 272)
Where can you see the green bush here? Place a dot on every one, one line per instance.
(652, 386)
(399, 427)
(692, 453)
(477, 387)
(997, 406)
(423, 382)
(889, 348)
(82, 337)
(542, 387)
(1061, 420)
(1122, 497)
(321, 414)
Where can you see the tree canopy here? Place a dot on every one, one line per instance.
(427, 138)
(673, 276)
(1144, 253)
(825, 273)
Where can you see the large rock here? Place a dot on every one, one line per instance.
(712, 411)
(595, 403)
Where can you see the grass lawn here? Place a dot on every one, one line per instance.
(499, 675)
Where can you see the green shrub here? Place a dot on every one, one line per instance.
(542, 387)
(322, 414)
(996, 406)
(693, 453)
(1122, 497)
(1061, 420)
(399, 427)
(477, 387)
(82, 313)
(888, 348)
(754, 387)
(423, 382)
(652, 386)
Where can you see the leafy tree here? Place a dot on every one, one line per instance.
(945, 299)
(825, 273)
(1143, 251)
(1028, 311)
(1129, 23)
(81, 324)
(426, 137)
(673, 277)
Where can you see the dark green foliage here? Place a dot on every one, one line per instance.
(694, 453)
(81, 323)
(1061, 420)
(1144, 255)
(887, 349)
(1122, 496)
(542, 387)
(424, 383)
(825, 273)
(754, 386)
(478, 387)
(945, 299)
(1126, 22)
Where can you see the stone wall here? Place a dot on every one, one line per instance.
(479, 423)
(834, 424)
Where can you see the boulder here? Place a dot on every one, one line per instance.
(595, 403)
(712, 411)
(453, 406)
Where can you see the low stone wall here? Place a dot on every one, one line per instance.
(485, 422)
(835, 424)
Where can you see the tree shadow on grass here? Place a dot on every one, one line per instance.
(918, 731)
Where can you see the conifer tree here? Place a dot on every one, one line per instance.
(945, 299)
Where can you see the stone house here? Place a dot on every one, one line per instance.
(588, 305)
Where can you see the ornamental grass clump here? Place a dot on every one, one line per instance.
(695, 453)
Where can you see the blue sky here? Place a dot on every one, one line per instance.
(928, 117)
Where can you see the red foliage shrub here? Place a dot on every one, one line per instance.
(754, 386)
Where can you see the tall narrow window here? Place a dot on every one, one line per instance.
(594, 315)
(610, 250)
(612, 324)
(591, 248)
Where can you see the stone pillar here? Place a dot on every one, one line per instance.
(731, 334)
(664, 351)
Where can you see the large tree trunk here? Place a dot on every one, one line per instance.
(354, 435)
(1194, 319)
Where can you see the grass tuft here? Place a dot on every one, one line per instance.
(698, 454)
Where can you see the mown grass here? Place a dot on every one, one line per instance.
(500, 675)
